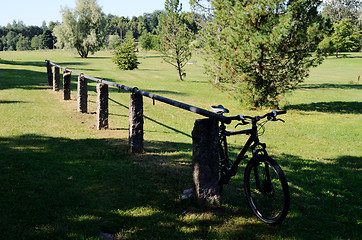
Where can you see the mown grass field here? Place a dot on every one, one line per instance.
(63, 179)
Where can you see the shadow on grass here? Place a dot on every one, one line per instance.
(333, 107)
(163, 92)
(40, 63)
(153, 120)
(26, 79)
(59, 188)
(325, 196)
(330, 85)
(10, 102)
(24, 63)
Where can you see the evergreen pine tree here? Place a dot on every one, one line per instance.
(259, 49)
(175, 37)
(124, 55)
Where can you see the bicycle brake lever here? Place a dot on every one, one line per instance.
(242, 123)
(279, 119)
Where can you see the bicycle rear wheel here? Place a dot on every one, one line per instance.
(266, 189)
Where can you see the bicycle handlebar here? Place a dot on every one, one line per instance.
(242, 118)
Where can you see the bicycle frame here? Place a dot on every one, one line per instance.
(231, 170)
(260, 171)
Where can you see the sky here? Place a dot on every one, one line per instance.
(34, 12)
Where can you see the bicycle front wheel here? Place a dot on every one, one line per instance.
(266, 189)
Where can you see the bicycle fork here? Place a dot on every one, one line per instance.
(265, 185)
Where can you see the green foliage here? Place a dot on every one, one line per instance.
(146, 41)
(11, 40)
(345, 37)
(124, 55)
(23, 43)
(36, 42)
(336, 10)
(114, 41)
(47, 39)
(261, 49)
(83, 28)
(24, 36)
(175, 37)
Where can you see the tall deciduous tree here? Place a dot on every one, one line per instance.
(336, 10)
(83, 28)
(345, 36)
(261, 49)
(146, 41)
(175, 37)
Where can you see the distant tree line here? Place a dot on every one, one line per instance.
(18, 36)
(345, 27)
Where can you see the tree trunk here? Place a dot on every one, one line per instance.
(179, 70)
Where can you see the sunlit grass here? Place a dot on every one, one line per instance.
(62, 179)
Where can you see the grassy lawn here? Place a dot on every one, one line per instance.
(63, 179)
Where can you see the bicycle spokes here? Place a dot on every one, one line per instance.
(265, 190)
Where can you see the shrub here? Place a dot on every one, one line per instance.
(124, 55)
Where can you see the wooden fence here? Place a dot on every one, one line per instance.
(205, 132)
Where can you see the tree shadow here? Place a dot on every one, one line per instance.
(332, 107)
(330, 85)
(153, 120)
(151, 56)
(325, 195)
(11, 102)
(39, 63)
(27, 79)
(60, 188)
(98, 57)
(23, 63)
(164, 92)
(74, 189)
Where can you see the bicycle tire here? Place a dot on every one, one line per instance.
(269, 203)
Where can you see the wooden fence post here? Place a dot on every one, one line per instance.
(205, 160)
(56, 79)
(136, 123)
(50, 74)
(102, 106)
(82, 94)
(66, 84)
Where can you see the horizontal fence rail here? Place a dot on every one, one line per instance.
(178, 104)
(205, 159)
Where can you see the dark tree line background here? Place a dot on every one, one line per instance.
(18, 36)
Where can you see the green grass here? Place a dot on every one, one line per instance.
(63, 179)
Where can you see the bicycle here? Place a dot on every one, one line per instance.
(266, 187)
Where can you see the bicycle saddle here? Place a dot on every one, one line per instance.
(219, 109)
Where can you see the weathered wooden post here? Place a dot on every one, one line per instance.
(66, 84)
(50, 74)
(82, 94)
(56, 79)
(102, 106)
(136, 123)
(205, 160)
